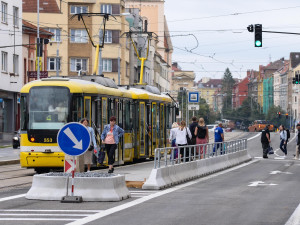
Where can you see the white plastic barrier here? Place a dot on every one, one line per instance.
(178, 173)
(111, 188)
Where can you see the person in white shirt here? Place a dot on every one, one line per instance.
(181, 140)
(283, 140)
(172, 138)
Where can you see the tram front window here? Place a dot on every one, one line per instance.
(48, 108)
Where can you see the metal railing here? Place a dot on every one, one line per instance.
(168, 156)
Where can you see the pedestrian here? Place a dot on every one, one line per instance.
(181, 138)
(172, 139)
(202, 136)
(110, 137)
(297, 141)
(265, 141)
(219, 138)
(283, 140)
(88, 155)
(192, 128)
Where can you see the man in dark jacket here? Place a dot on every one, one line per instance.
(192, 128)
(265, 141)
(297, 142)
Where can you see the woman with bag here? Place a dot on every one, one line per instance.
(93, 145)
(110, 137)
(182, 135)
(172, 138)
(201, 133)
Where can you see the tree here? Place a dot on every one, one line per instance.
(227, 86)
(272, 116)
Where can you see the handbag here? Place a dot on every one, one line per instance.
(270, 150)
(188, 140)
(101, 155)
(91, 148)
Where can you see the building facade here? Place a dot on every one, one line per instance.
(11, 66)
(240, 92)
(207, 88)
(71, 51)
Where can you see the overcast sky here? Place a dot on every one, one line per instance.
(220, 27)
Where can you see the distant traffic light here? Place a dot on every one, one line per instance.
(279, 114)
(286, 115)
(294, 80)
(258, 35)
(297, 79)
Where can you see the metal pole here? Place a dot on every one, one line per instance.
(186, 109)
(100, 68)
(38, 37)
(57, 60)
(73, 172)
(119, 77)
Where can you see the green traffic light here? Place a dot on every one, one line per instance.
(258, 43)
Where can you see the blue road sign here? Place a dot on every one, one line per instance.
(73, 139)
(194, 97)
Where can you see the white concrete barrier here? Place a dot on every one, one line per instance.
(111, 188)
(178, 173)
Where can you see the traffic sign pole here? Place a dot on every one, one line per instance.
(73, 172)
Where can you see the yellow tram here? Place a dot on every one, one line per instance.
(142, 111)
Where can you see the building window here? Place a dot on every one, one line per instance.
(78, 9)
(108, 36)
(4, 62)
(51, 63)
(16, 16)
(295, 99)
(79, 36)
(16, 64)
(56, 32)
(78, 64)
(3, 12)
(106, 9)
(107, 65)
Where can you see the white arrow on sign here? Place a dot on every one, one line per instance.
(260, 183)
(69, 133)
(277, 172)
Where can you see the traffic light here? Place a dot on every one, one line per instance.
(286, 115)
(294, 80)
(258, 35)
(297, 79)
(279, 114)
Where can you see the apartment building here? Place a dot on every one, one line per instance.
(11, 66)
(71, 49)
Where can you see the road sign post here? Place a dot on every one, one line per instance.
(73, 139)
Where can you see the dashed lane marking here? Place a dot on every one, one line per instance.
(12, 197)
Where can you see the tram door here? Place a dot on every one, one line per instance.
(161, 126)
(142, 128)
(147, 129)
(87, 108)
(119, 111)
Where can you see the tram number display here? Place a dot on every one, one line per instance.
(48, 140)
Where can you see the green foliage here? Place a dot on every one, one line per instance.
(272, 116)
(227, 86)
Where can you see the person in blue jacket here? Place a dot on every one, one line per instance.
(110, 137)
(219, 138)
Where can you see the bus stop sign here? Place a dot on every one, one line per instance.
(74, 139)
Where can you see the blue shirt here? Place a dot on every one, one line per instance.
(218, 132)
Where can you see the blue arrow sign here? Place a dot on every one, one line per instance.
(194, 97)
(74, 139)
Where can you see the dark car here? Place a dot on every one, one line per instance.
(16, 139)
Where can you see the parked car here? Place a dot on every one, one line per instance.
(16, 139)
(228, 129)
(259, 125)
(211, 127)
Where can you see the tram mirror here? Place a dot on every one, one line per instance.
(177, 111)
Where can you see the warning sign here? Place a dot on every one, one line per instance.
(68, 165)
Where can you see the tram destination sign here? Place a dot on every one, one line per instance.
(33, 74)
(74, 139)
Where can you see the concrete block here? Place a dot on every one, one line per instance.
(89, 188)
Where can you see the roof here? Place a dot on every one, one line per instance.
(29, 28)
(46, 6)
(214, 83)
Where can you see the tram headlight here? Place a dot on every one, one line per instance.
(32, 139)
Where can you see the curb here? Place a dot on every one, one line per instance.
(9, 162)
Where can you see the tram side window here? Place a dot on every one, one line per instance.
(128, 116)
(23, 113)
(104, 112)
(169, 117)
(157, 121)
(77, 109)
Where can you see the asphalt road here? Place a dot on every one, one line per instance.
(262, 192)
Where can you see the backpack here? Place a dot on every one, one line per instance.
(264, 138)
(288, 134)
(201, 133)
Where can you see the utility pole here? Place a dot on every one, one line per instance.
(100, 69)
(119, 75)
(38, 38)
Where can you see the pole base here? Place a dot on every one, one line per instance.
(71, 199)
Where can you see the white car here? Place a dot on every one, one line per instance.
(212, 127)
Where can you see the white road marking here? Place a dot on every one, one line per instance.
(152, 196)
(12, 197)
(260, 183)
(279, 172)
(295, 217)
(48, 210)
(253, 137)
(43, 214)
(35, 219)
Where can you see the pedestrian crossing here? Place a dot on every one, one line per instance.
(59, 215)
